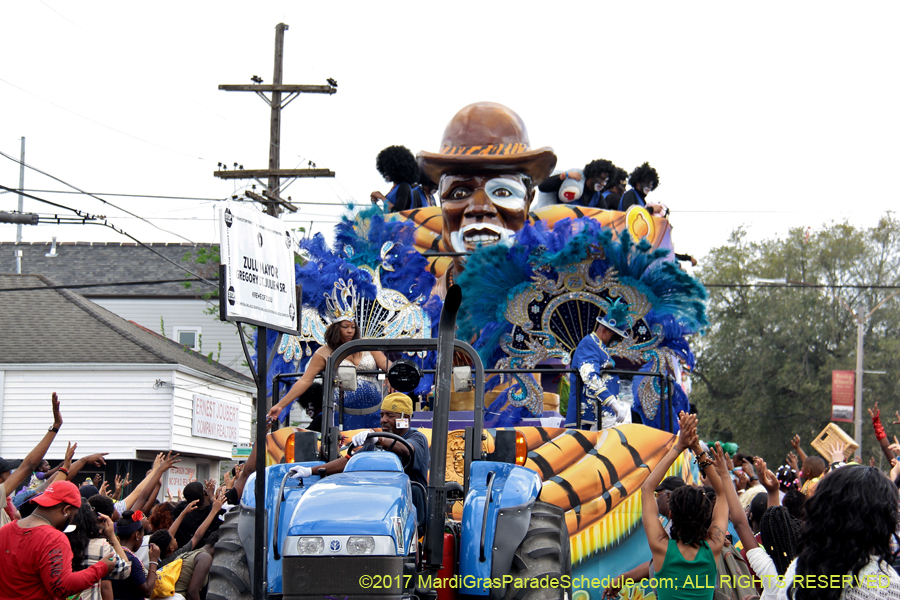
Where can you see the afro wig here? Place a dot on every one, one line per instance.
(595, 168)
(398, 165)
(644, 174)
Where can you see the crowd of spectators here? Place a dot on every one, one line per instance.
(812, 529)
(63, 540)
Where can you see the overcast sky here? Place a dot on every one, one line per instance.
(770, 115)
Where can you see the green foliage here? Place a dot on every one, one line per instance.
(764, 368)
(162, 326)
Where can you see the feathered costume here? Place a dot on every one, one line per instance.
(373, 275)
(534, 302)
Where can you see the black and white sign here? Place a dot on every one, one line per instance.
(259, 268)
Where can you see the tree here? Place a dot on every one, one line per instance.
(765, 363)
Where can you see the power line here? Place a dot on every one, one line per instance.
(164, 197)
(127, 212)
(104, 125)
(835, 286)
(93, 285)
(105, 223)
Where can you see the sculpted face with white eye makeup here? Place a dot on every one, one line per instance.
(485, 169)
(482, 210)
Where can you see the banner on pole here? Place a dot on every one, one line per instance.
(843, 395)
(257, 253)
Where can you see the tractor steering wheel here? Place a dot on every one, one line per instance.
(384, 434)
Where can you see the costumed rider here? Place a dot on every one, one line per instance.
(643, 180)
(590, 357)
(398, 166)
(396, 409)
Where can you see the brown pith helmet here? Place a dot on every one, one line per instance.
(486, 136)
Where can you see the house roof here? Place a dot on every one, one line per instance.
(77, 263)
(60, 326)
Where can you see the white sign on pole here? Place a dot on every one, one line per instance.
(215, 419)
(258, 256)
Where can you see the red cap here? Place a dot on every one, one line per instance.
(59, 492)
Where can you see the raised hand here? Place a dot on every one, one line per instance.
(871, 461)
(169, 461)
(874, 413)
(157, 461)
(210, 485)
(687, 437)
(190, 507)
(895, 447)
(229, 480)
(104, 489)
(107, 526)
(836, 450)
(97, 460)
(70, 452)
(98, 478)
(57, 416)
(897, 413)
(766, 477)
(719, 461)
(154, 553)
(792, 461)
(219, 500)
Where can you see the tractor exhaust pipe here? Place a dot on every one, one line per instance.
(433, 549)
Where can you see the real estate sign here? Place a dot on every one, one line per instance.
(215, 419)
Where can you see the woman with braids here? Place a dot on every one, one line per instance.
(92, 539)
(688, 559)
(847, 532)
(778, 532)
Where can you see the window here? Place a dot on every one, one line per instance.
(188, 337)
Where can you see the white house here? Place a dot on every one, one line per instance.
(124, 389)
(177, 312)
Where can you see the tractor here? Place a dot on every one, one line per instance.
(358, 534)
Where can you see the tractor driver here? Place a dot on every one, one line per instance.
(396, 409)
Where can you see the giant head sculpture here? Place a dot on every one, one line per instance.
(486, 172)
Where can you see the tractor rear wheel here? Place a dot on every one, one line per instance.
(543, 553)
(229, 575)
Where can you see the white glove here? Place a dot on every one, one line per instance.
(623, 411)
(360, 438)
(299, 472)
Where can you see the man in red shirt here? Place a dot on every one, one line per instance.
(35, 556)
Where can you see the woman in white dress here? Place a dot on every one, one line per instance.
(362, 407)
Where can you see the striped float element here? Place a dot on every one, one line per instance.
(620, 522)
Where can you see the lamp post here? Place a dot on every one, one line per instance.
(860, 335)
(860, 332)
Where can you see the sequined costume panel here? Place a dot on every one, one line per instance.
(589, 358)
(367, 396)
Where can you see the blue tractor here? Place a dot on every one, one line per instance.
(358, 534)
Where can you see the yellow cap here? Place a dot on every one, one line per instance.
(397, 402)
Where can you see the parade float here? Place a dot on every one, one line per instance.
(534, 283)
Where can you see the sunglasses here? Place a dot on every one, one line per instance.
(657, 493)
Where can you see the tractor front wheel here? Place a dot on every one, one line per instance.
(229, 575)
(543, 553)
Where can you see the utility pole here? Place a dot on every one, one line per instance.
(21, 187)
(861, 320)
(272, 197)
